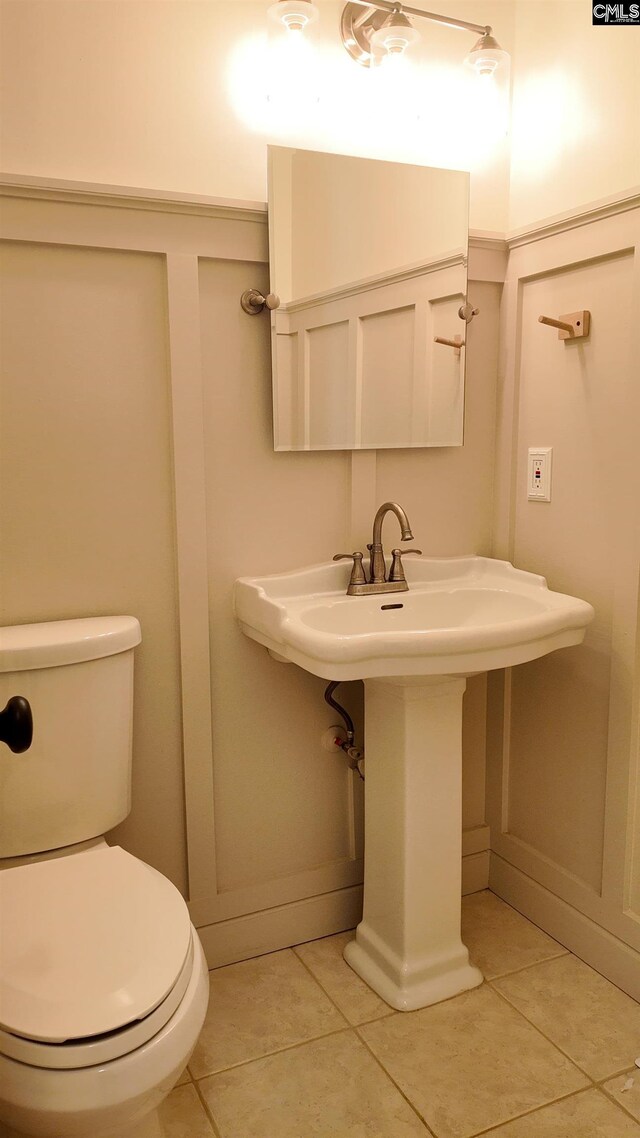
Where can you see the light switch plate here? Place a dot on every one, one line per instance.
(539, 474)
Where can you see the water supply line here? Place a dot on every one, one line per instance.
(355, 756)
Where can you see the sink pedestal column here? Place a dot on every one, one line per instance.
(407, 946)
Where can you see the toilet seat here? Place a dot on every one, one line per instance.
(95, 956)
(78, 1053)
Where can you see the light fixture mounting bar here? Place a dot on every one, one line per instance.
(434, 17)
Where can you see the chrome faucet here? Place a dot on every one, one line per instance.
(378, 581)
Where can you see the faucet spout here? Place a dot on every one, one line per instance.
(378, 568)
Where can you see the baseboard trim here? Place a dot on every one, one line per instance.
(271, 929)
(590, 942)
(475, 872)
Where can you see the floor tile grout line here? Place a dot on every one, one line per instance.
(545, 1037)
(209, 1114)
(268, 1054)
(376, 1019)
(299, 1043)
(391, 1079)
(595, 1085)
(360, 1023)
(618, 1075)
(570, 1094)
(322, 988)
(528, 1113)
(503, 996)
(523, 968)
(297, 1046)
(579, 960)
(611, 1098)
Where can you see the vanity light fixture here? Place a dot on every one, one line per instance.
(373, 30)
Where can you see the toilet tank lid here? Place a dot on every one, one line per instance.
(47, 645)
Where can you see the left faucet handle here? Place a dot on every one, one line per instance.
(357, 571)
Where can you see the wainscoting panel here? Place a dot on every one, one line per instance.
(388, 376)
(563, 736)
(152, 484)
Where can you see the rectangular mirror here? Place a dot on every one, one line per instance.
(369, 261)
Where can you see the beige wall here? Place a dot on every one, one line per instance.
(575, 129)
(170, 96)
(86, 498)
(186, 115)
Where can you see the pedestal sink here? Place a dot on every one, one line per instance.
(414, 651)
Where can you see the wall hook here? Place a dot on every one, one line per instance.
(253, 301)
(571, 326)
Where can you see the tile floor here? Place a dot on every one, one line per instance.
(296, 1046)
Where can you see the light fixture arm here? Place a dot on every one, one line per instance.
(388, 6)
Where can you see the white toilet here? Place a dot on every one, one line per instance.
(103, 981)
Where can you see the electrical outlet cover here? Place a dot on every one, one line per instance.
(539, 474)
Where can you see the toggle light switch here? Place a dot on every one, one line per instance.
(539, 474)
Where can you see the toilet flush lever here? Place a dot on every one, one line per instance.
(16, 724)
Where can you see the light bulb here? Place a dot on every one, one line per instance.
(395, 35)
(486, 56)
(294, 14)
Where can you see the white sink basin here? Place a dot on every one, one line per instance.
(461, 615)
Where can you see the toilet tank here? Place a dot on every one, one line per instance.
(74, 781)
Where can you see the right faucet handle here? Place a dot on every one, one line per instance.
(357, 572)
(396, 572)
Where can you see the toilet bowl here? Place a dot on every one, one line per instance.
(103, 992)
(103, 981)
